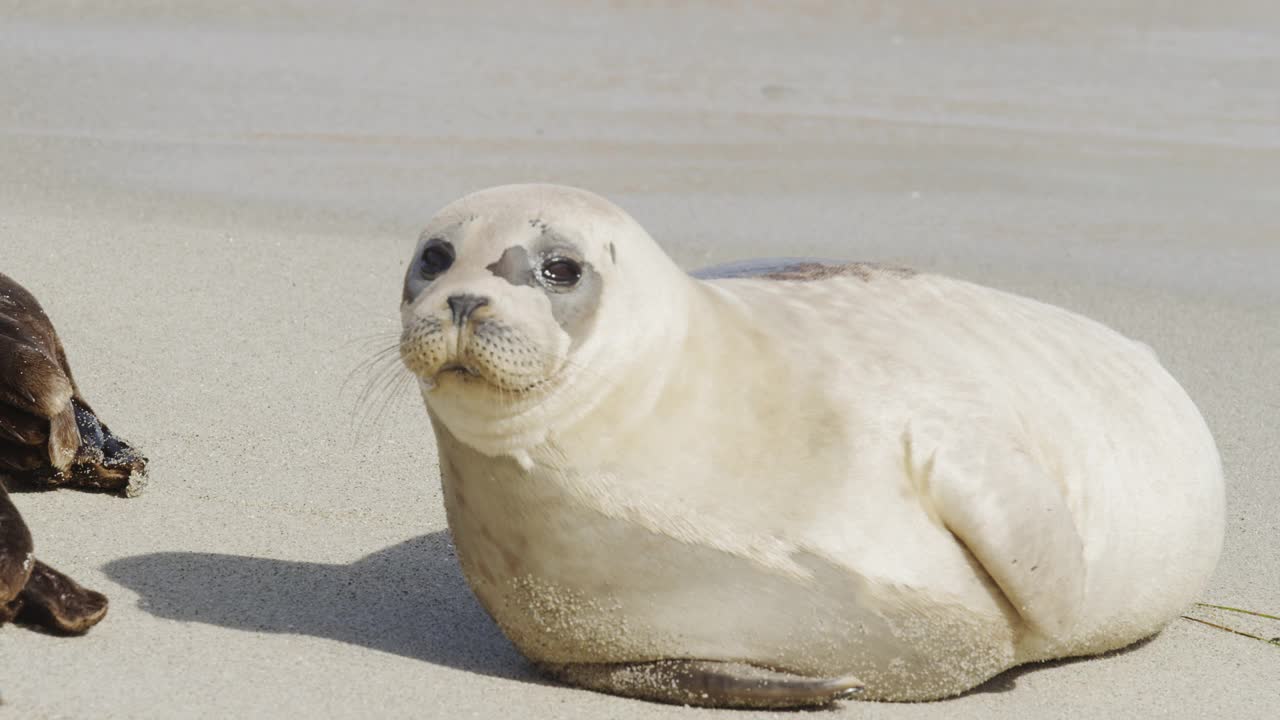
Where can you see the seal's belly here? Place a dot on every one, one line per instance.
(569, 584)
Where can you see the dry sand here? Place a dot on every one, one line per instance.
(216, 205)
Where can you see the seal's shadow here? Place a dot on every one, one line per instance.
(409, 599)
(1007, 681)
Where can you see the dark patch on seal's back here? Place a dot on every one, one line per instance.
(801, 270)
(808, 272)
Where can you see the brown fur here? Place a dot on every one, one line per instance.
(49, 436)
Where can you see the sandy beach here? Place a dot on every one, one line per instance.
(216, 205)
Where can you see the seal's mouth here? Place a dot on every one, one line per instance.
(474, 378)
(457, 369)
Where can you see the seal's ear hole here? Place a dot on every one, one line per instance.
(561, 272)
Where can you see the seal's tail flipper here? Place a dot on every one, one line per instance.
(706, 683)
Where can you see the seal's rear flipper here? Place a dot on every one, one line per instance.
(104, 461)
(92, 457)
(58, 604)
(49, 436)
(706, 683)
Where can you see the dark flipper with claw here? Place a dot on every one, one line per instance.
(33, 593)
(102, 461)
(56, 603)
(706, 683)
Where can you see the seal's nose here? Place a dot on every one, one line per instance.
(463, 305)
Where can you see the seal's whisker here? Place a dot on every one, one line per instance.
(376, 365)
(385, 351)
(379, 338)
(395, 395)
(382, 380)
(385, 382)
(377, 406)
(379, 384)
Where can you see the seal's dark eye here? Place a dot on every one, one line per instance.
(561, 271)
(436, 258)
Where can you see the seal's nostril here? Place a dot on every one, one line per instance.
(463, 305)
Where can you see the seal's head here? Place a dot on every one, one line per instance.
(504, 294)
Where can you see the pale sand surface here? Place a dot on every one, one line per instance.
(216, 206)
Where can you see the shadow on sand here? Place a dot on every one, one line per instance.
(1008, 680)
(409, 599)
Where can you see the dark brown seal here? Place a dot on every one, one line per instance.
(49, 437)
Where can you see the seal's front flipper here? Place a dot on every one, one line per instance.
(58, 604)
(1013, 516)
(706, 683)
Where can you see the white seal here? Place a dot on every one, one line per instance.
(752, 485)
